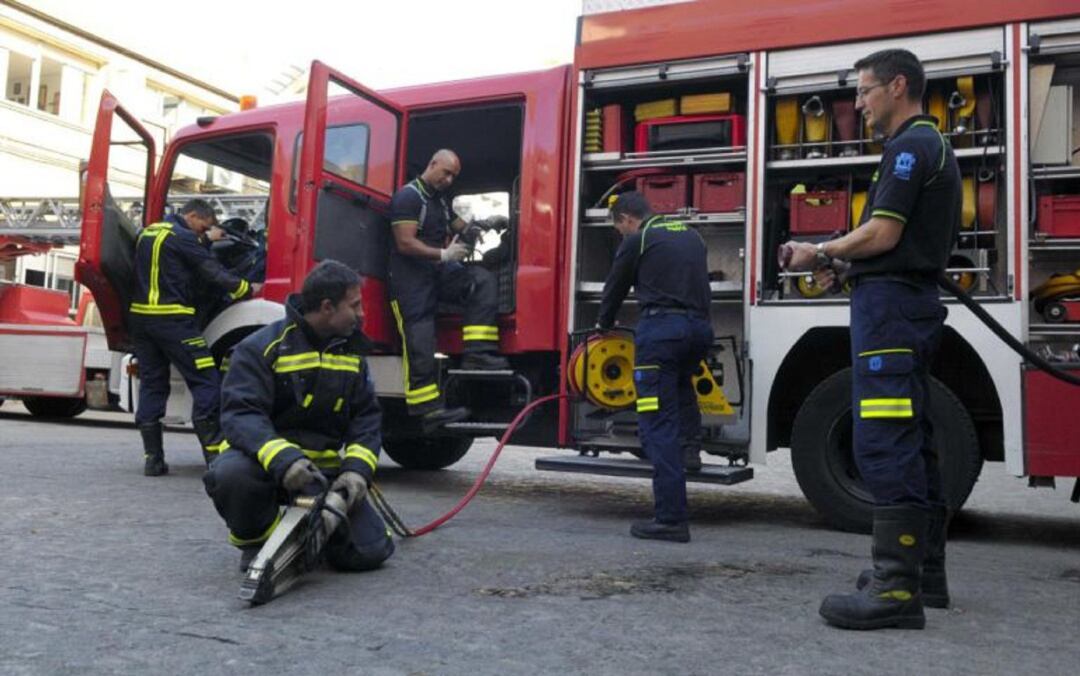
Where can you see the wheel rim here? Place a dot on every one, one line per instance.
(841, 459)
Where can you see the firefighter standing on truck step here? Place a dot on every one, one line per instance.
(666, 263)
(170, 260)
(907, 229)
(298, 402)
(424, 270)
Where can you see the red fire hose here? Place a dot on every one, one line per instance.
(399, 527)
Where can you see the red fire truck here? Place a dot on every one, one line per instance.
(736, 118)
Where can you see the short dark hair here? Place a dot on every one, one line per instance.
(631, 204)
(199, 207)
(888, 63)
(329, 280)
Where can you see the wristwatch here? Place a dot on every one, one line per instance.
(823, 258)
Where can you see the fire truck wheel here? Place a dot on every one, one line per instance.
(427, 454)
(824, 466)
(55, 407)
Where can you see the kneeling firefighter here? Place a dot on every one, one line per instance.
(297, 393)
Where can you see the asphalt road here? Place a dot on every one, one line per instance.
(107, 571)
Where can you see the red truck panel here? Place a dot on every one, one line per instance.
(21, 304)
(1050, 408)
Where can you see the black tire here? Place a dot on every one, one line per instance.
(824, 466)
(54, 407)
(427, 454)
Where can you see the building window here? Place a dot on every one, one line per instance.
(20, 70)
(48, 94)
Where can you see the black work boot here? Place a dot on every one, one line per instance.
(484, 361)
(654, 530)
(934, 584)
(442, 416)
(153, 449)
(892, 598)
(208, 431)
(692, 458)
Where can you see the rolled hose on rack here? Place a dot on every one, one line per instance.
(402, 530)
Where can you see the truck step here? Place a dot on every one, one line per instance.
(585, 464)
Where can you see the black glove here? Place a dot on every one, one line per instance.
(299, 474)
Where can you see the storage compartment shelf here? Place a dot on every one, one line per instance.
(1055, 330)
(697, 157)
(690, 218)
(1054, 244)
(720, 290)
(859, 160)
(1054, 172)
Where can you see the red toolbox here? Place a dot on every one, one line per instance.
(1059, 216)
(1050, 406)
(719, 192)
(666, 193)
(819, 213)
(688, 132)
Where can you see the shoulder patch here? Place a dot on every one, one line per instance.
(905, 164)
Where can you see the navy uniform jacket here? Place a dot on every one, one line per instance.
(918, 184)
(168, 256)
(666, 263)
(419, 204)
(288, 394)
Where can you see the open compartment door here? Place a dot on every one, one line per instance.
(114, 193)
(347, 174)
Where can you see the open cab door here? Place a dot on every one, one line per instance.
(113, 195)
(347, 175)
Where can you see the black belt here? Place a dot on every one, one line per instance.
(654, 311)
(918, 278)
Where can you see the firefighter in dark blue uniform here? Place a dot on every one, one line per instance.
(298, 401)
(425, 270)
(171, 261)
(906, 233)
(666, 264)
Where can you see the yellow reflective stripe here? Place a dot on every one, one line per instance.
(197, 342)
(480, 332)
(646, 367)
(155, 257)
(218, 448)
(405, 222)
(338, 404)
(301, 356)
(647, 404)
(224, 364)
(241, 290)
(204, 363)
(897, 350)
(365, 454)
(404, 345)
(421, 398)
(290, 327)
(269, 450)
(326, 454)
(885, 408)
(889, 214)
(263, 537)
(307, 400)
(896, 595)
(313, 360)
(151, 309)
(341, 362)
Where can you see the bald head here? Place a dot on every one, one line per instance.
(442, 169)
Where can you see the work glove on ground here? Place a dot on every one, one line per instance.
(299, 474)
(353, 484)
(455, 252)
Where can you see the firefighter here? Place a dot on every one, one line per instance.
(909, 224)
(666, 264)
(296, 394)
(171, 261)
(424, 270)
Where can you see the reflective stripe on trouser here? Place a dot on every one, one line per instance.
(416, 288)
(896, 329)
(667, 350)
(161, 341)
(250, 502)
